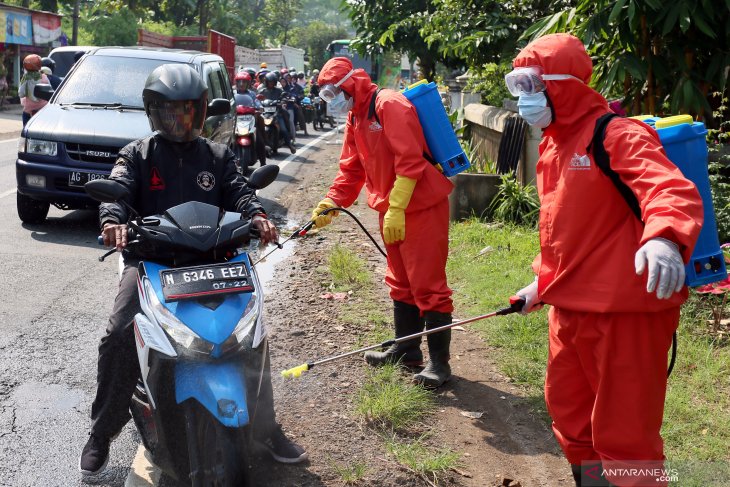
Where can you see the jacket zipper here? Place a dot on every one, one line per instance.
(180, 182)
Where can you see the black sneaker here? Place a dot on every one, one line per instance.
(282, 449)
(292, 148)
(95, 455)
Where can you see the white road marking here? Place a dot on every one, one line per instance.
(301, 150)
(143, 473)
(15, 140)
(7, 193)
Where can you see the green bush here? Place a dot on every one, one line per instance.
(488, 80)
(515, 203)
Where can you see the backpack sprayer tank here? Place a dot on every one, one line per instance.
(440, 137)
(685, 144)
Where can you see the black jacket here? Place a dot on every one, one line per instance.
(160, 174)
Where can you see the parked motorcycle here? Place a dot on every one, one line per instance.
(200, 340)
(245, 141)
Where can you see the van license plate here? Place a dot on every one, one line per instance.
(79, 178)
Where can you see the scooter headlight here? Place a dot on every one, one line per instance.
(176, 329)
(250, 330)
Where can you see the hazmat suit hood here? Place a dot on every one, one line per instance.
(573, 102)
(359, 85)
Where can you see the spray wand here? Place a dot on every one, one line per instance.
(516, 304)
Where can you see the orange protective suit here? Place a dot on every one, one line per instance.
(372, 155)
(609, 338)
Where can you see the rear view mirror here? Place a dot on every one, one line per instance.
(218, 106)
(44, 91)
(263, 176)
(107, 191)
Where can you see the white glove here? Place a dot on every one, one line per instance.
(529, 293)
(665, 267)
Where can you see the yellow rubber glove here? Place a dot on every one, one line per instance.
(324, 220)
(394, 222)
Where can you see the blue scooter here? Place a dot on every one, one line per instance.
(200, 338)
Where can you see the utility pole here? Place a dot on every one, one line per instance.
(75, 35)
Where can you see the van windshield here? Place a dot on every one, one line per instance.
(101, 80)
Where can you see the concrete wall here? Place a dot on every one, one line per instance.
(487, 124)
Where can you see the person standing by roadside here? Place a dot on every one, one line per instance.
(384, 150)
(32, 76)
(615, 282)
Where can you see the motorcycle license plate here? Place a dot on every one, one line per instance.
(79, 178)
(269, 109)
(195, 282)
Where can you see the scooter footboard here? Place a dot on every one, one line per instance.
(219, 387)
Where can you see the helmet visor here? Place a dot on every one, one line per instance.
(525, 81)
(178, 121)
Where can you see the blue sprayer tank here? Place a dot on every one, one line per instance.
(685, 144)
(440, 137)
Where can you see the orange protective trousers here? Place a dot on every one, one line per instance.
(416, 271)
(605, 387)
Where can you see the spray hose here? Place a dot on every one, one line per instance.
(302, 231)
(516, 304)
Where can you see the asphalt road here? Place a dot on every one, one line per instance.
(55, 299)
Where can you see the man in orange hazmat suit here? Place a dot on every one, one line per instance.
(384, 150)
(615, 283)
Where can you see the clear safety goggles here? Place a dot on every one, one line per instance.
(329, 92)
(530, 80)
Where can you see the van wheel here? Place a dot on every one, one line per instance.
(30, 210)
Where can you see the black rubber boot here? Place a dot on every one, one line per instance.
(589, 476)
(406, 321)
(437, 370)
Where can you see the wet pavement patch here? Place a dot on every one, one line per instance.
(46, 399)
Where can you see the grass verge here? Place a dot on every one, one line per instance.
(696, 426)
(350, 474)
(422, 460)
(388, 402)
(348, 271)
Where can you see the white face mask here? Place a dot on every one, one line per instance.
(535, 110)
(340, 104)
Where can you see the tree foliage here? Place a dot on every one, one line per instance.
(280, 16)
(661, 57)
(395, 25)
(314, 39)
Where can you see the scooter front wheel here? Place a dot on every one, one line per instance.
(222, 457)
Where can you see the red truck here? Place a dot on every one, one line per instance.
(215, 42)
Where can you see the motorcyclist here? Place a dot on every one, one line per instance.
(301, 81)
(54, 80)
(273, 92)
(289, 85)
(243, 83)
(261, 80)
(158, 170)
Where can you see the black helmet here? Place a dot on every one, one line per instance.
(271, 77)
(175, 100)
(49, 63)
(251, 71)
